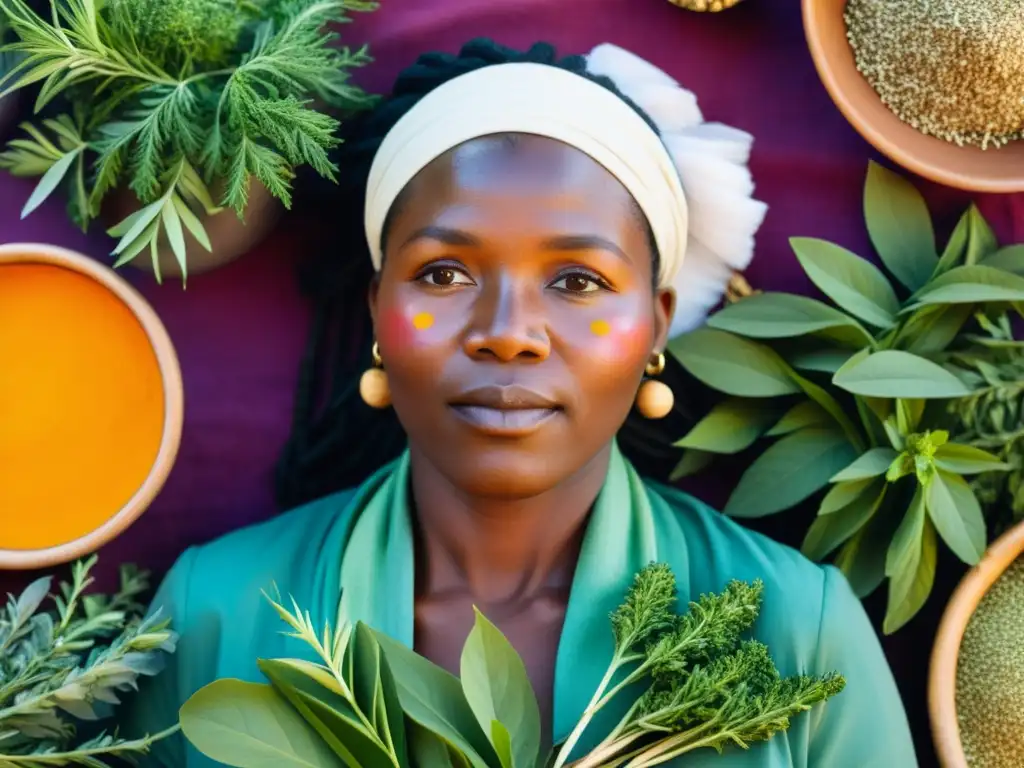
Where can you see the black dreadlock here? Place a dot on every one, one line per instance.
(336, 440)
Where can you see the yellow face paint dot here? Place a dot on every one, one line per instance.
(422, 321)
(600, 327)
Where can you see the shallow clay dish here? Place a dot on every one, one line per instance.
(946, 652)
(90, 405)
(970, 168)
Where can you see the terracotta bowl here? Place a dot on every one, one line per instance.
(969, 168)
(97, 373)
(946, 652)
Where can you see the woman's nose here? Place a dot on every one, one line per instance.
(508, 326)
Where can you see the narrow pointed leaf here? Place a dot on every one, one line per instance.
(192, 223)
(828, 532)
(873, 463)
(49, 182)
(932, 328)
(971, 285)
(841, 495)
(691, 463)
(956, 246)
(892, 373)
(900, 226)
(730, 427)
(981, 242)
(732, 364)
(175, 235)
(800, 416)
(968, 460)
(912, 583)
(783, 315)
(140, 221)
(955, 511)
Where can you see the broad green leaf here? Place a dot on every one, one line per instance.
(862, 558)
(910, 586)
(895, 374)
(392, 706)
(328, 713)
(827, 532)
(53, 176)
(853, 283)
(428, 749)
(828, 403)
(502, 741)
(498, 690)
(802, 415)
(933, 328)
(956, 246)
(967, 460)
(362, 657)
(871, 464)
(250, 725)
(900, 226)
(971, 285)
(730, 427)
(981, 241)
(843, 494)
(732, 364)
(955, 511)
(789, 471)
(1009, 259)
(820, 360)
(691, 463)
(433, 698)
(783, 315)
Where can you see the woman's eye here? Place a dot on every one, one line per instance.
(577, 283)
(445, 276)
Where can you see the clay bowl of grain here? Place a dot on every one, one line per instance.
(976, 682)
(889, 45)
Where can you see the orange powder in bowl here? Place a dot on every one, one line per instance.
(81, 405)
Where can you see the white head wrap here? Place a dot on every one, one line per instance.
(691, 182)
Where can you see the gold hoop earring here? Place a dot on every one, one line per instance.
(373, 384)
(654, 399)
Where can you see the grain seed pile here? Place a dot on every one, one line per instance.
(953, 69)
(990, 676)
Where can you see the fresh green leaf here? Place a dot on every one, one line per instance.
(829, 404)
(789, 471)
(981, 241)
(192, 223)
(802, 415)
(862, 557)
(910, 587)
(691, 463)
(175, 236)
(900, 226)
(434, 698)
(430, 750)
(53, 176)
(896, 374)
(955, 511)
(843, 494)
(871, 464)
(140, 222)
(906, 542)
(783, 315)
(249, 724)
(730, 427)
(1009, 259)
(820, 360)
(971, 285)
(828, 532)
(502, 741)
(956, 246)
(853, 283)
(732, 364)
(498, 690)
(932, 328)
(908, 414)
(967, 460)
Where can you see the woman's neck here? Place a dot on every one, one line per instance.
(503, 551)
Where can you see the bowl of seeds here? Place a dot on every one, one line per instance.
(935, 85)
(976, 683)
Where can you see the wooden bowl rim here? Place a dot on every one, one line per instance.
(878, 139)
(170, 373)
(946, 651)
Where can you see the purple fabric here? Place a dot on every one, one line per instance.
(239, 331)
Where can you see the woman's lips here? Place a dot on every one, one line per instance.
(508, 411)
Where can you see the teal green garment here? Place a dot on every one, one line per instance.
(362, 541)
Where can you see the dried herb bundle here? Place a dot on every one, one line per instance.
(373, 703)
(64, 668)
(856, 395)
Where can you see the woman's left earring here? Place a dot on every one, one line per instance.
(654, 399)
(373, 384)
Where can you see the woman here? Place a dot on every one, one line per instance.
(527, 224)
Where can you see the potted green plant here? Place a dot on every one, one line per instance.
(860, 398)
(182, 120)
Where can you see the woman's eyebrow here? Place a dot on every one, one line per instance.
(583, 243)
(443, 235)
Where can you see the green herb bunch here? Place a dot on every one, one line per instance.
(370, 702)
(856, 395)
(181, 101)
(67, 666)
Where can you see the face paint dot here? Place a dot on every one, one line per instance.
(600, 327)
(422, 321)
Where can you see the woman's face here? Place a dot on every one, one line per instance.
(515, 312)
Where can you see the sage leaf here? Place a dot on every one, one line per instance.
(967, 460)
(692, 462)
(981, 241)
(789, 471)
(802, 415)
(732, 365)
(957, 516)
(430, 750)
(730, 427)
(827, 360)
(362, 658)
(853, 283)
(828, 532)
(842, 494)
(908, 414)
(896, 374)
(956, 246)
(900, 226)
(784, 315)
(906, 542)
(498, 690)
(873, 463)
(1009, 259)
(911, 585)
(932, 328)
(53, 176)
(828, 403)
(327, 712)
(30, 599)
(971, 285)
(434, 698)
(250, 724)
(862, 557)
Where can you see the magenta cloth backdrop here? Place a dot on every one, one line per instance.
(239, 331)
